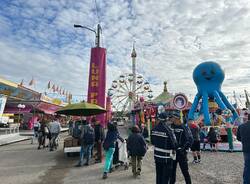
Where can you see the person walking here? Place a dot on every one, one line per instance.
(137, 148)
(164, 141)
(36, 128)
(99, 136)
(184, 141)
(42, 134)
(195, 148)
(109, 147)
(54, 130)
(87, 140)
(243, 135)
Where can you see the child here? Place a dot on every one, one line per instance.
(212, 138)
(137, 149)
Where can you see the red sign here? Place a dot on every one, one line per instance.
(97, 79)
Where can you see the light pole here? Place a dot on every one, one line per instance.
(97, 33)
(20, 106)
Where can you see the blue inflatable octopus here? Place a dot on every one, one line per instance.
(208, 77)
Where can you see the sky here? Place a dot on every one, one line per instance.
(37, 39)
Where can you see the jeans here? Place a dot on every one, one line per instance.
(53, 143)
(246, 172)
(99, 151)
(108, 159)
(85, 152)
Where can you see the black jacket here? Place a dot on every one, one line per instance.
(164, 141)
(144, 132)
(243, 135)
(183, 136)
(136, 145)
(99, 133)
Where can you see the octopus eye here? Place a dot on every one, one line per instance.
(212, 72)
(203, 72)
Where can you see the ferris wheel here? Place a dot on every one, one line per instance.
(122, 94)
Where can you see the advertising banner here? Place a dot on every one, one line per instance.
(3, 100)
(97, 80)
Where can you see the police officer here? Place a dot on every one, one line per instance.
(164, 141)
(184, 141)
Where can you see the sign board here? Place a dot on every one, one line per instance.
(3, 100)
(180, 101)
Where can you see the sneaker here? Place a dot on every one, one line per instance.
(78, 165)
(195, 161)
(138, 171)
(98, 161)
(105, 175)
(86, 164)
(199, 160)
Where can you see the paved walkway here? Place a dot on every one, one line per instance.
(12, 138)
(21, 136)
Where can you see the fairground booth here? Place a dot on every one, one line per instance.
(21, 106)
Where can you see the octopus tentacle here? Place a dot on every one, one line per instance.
(229, 106)
(205, 108)
(194, 106)
(219, 101)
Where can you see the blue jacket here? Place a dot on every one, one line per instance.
(164, 141)
(243, 135)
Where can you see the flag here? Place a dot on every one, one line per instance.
(53, 87)
(32, 82)
(49, 85)
(21, 83)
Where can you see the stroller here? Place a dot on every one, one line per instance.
(120, 157)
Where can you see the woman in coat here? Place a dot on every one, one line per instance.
(109, 147)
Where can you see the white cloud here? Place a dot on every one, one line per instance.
(172, 37)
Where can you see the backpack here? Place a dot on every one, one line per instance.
(89, 136)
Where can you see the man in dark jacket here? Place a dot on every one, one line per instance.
(99, 136)
(137, 148)
(87, 142)
(184, 141)
(164, 141)
(243, 135)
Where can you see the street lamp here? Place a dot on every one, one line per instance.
(20, 106)
(97, 33)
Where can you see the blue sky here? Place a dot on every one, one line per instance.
(37, 39)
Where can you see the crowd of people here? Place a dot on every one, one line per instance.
(170, 137)
(47, 129)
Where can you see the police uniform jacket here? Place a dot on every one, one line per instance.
(164, 141)
(183, 136)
